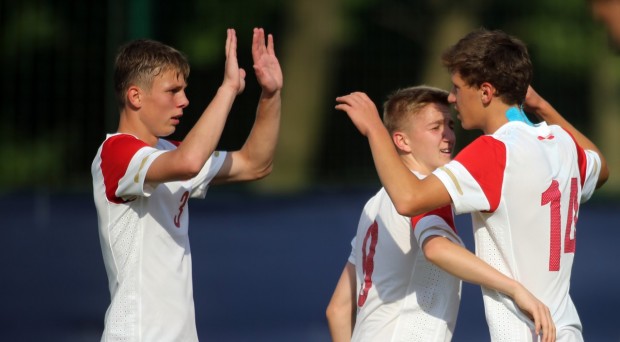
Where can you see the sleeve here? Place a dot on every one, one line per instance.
(438, 222)
(589, 164)
(475, 177)
(352, 255)
(200, 183)
(591, 172)
(124, 162)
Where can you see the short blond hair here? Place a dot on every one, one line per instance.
(140, 61)
(402, 104)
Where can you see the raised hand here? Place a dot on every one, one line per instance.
(533, 102)
(234, 77)
(266, 65)
(361, 110)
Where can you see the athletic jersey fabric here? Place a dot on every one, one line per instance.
(402, 296)
(143, 234)
(523, 186)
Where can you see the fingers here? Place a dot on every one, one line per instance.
(544, 324)
(258, 43)
(231, 43)
(357, 98)
(270, 47)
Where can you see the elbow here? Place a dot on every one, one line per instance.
(432, 249)
(406, 205)
(264, 171)
(330, 313)
(334, 312)
(256, 173)
(189, 167)
(603, 176)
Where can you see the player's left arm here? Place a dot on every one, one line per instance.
(410, 195)
(342, 308)
(535, 104)
(255, 158)
(463, 264)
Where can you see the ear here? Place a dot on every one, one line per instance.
(401, 141)
(134, 96)
(487, 92)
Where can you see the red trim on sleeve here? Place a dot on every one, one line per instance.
(116, 154)
(485, 159)
(582, 161)
(444, 212)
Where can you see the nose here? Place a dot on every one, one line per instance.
(451, 97)
(183, 100)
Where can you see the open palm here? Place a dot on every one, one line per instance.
(266, 65)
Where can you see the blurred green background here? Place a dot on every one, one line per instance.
(57, 99)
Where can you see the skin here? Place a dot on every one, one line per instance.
(155, 110)
(342, 306)
(428, 141)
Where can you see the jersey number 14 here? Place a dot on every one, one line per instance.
(552, 196)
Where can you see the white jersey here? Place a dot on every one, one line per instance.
(523, 186)
(144, 240)
(402, 296)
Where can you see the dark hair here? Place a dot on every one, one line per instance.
(494, 57)
(140, 61)
(404, 103)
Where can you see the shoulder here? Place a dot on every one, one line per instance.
(120, 142)
(445, 213)
(482, 150)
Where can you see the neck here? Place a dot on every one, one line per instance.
(128, 125)
(516, 113)
(412, 164)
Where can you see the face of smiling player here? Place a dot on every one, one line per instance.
(431, 137)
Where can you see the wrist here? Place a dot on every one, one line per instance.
(267, 95)
(228, 90)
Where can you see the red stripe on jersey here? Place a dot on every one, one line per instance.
(485, 159)
(581, 160)
(444, 212)
(116, 154)
(175, 142)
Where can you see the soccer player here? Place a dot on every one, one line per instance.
(142, 182)
(396, 262)
(523, 183)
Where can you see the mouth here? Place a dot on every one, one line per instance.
(176, 119)
(446, 150)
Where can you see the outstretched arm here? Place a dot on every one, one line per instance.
(188, 159)
(255, 158)
(463, 264)
(535, 104)
(410, 195)
(341, 309)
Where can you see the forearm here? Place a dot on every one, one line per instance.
(189, 158)
(202, 139)
(259, 148)
(410, 195)
(463, 264)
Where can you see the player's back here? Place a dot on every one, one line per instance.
(530, 234)
(402, 296)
